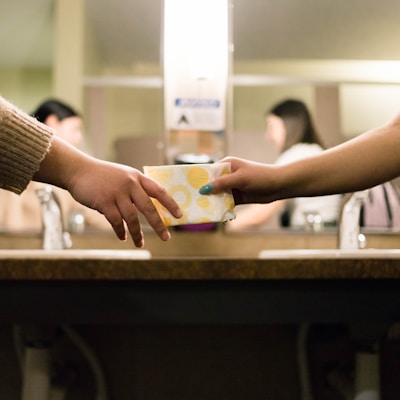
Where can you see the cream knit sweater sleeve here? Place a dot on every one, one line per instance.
(23, 144)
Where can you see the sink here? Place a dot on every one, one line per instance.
(330, 253)
(139, 254)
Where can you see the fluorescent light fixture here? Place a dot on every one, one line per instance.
(196, 64)
(196, 36)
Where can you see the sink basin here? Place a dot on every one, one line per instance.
(78, 254)
(330, 253)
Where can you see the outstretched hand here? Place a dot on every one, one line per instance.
(116, 191)
(249, 181)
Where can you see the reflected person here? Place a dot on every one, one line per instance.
(290, 129)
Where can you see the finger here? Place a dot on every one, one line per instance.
(119, 230)
(153, 218)
(114, 217)
(219, 185)
(226, 182)
(155, 190)
(145, 205)
(131, 218)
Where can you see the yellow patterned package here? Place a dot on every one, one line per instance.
(183, 183)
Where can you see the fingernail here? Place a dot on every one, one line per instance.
(206, 189)
(166, 236)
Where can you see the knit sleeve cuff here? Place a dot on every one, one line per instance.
(24, 143)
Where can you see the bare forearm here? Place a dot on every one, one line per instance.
(363, 162)
(61, 164)
(116, 191)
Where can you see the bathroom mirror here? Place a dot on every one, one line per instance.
(129, 30)
(282, 49)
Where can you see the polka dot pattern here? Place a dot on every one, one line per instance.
(183, 183)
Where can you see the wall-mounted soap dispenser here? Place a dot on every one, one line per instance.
(197, 54)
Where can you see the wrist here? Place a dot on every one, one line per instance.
(61, 165)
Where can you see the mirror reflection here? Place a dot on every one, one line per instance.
(340, 59)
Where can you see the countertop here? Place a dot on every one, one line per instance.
(117, 265)
(221, 283)
(118, 286)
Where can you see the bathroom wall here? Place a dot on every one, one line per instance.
(25, 87)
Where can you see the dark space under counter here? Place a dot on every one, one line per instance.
(39, 288)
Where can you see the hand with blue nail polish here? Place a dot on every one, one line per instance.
(246, 181)
(367, 160)
(206, 189)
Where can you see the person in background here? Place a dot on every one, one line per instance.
(290, 129)
(29, 150)
(368, 160)
(66, 122)
(23, 212)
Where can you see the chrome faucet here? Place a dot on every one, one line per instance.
(54, 236)
(349, 222)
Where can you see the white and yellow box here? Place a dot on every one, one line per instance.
(183, 183)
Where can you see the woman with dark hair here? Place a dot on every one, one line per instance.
(62, 118)
(297, 123)
(290, 129)
(56, 107)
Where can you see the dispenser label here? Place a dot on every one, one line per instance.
(198, 114)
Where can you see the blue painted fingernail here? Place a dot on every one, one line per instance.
(206, 189)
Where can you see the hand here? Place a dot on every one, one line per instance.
(116, 191)
(249, 181)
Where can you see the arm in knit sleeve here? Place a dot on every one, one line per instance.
(24, 143)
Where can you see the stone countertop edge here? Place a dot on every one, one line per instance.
(123, 268)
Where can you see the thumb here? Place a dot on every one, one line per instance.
(222, 183)
(218, 185)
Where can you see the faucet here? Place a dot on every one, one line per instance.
(349, 222)
(54, 236)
